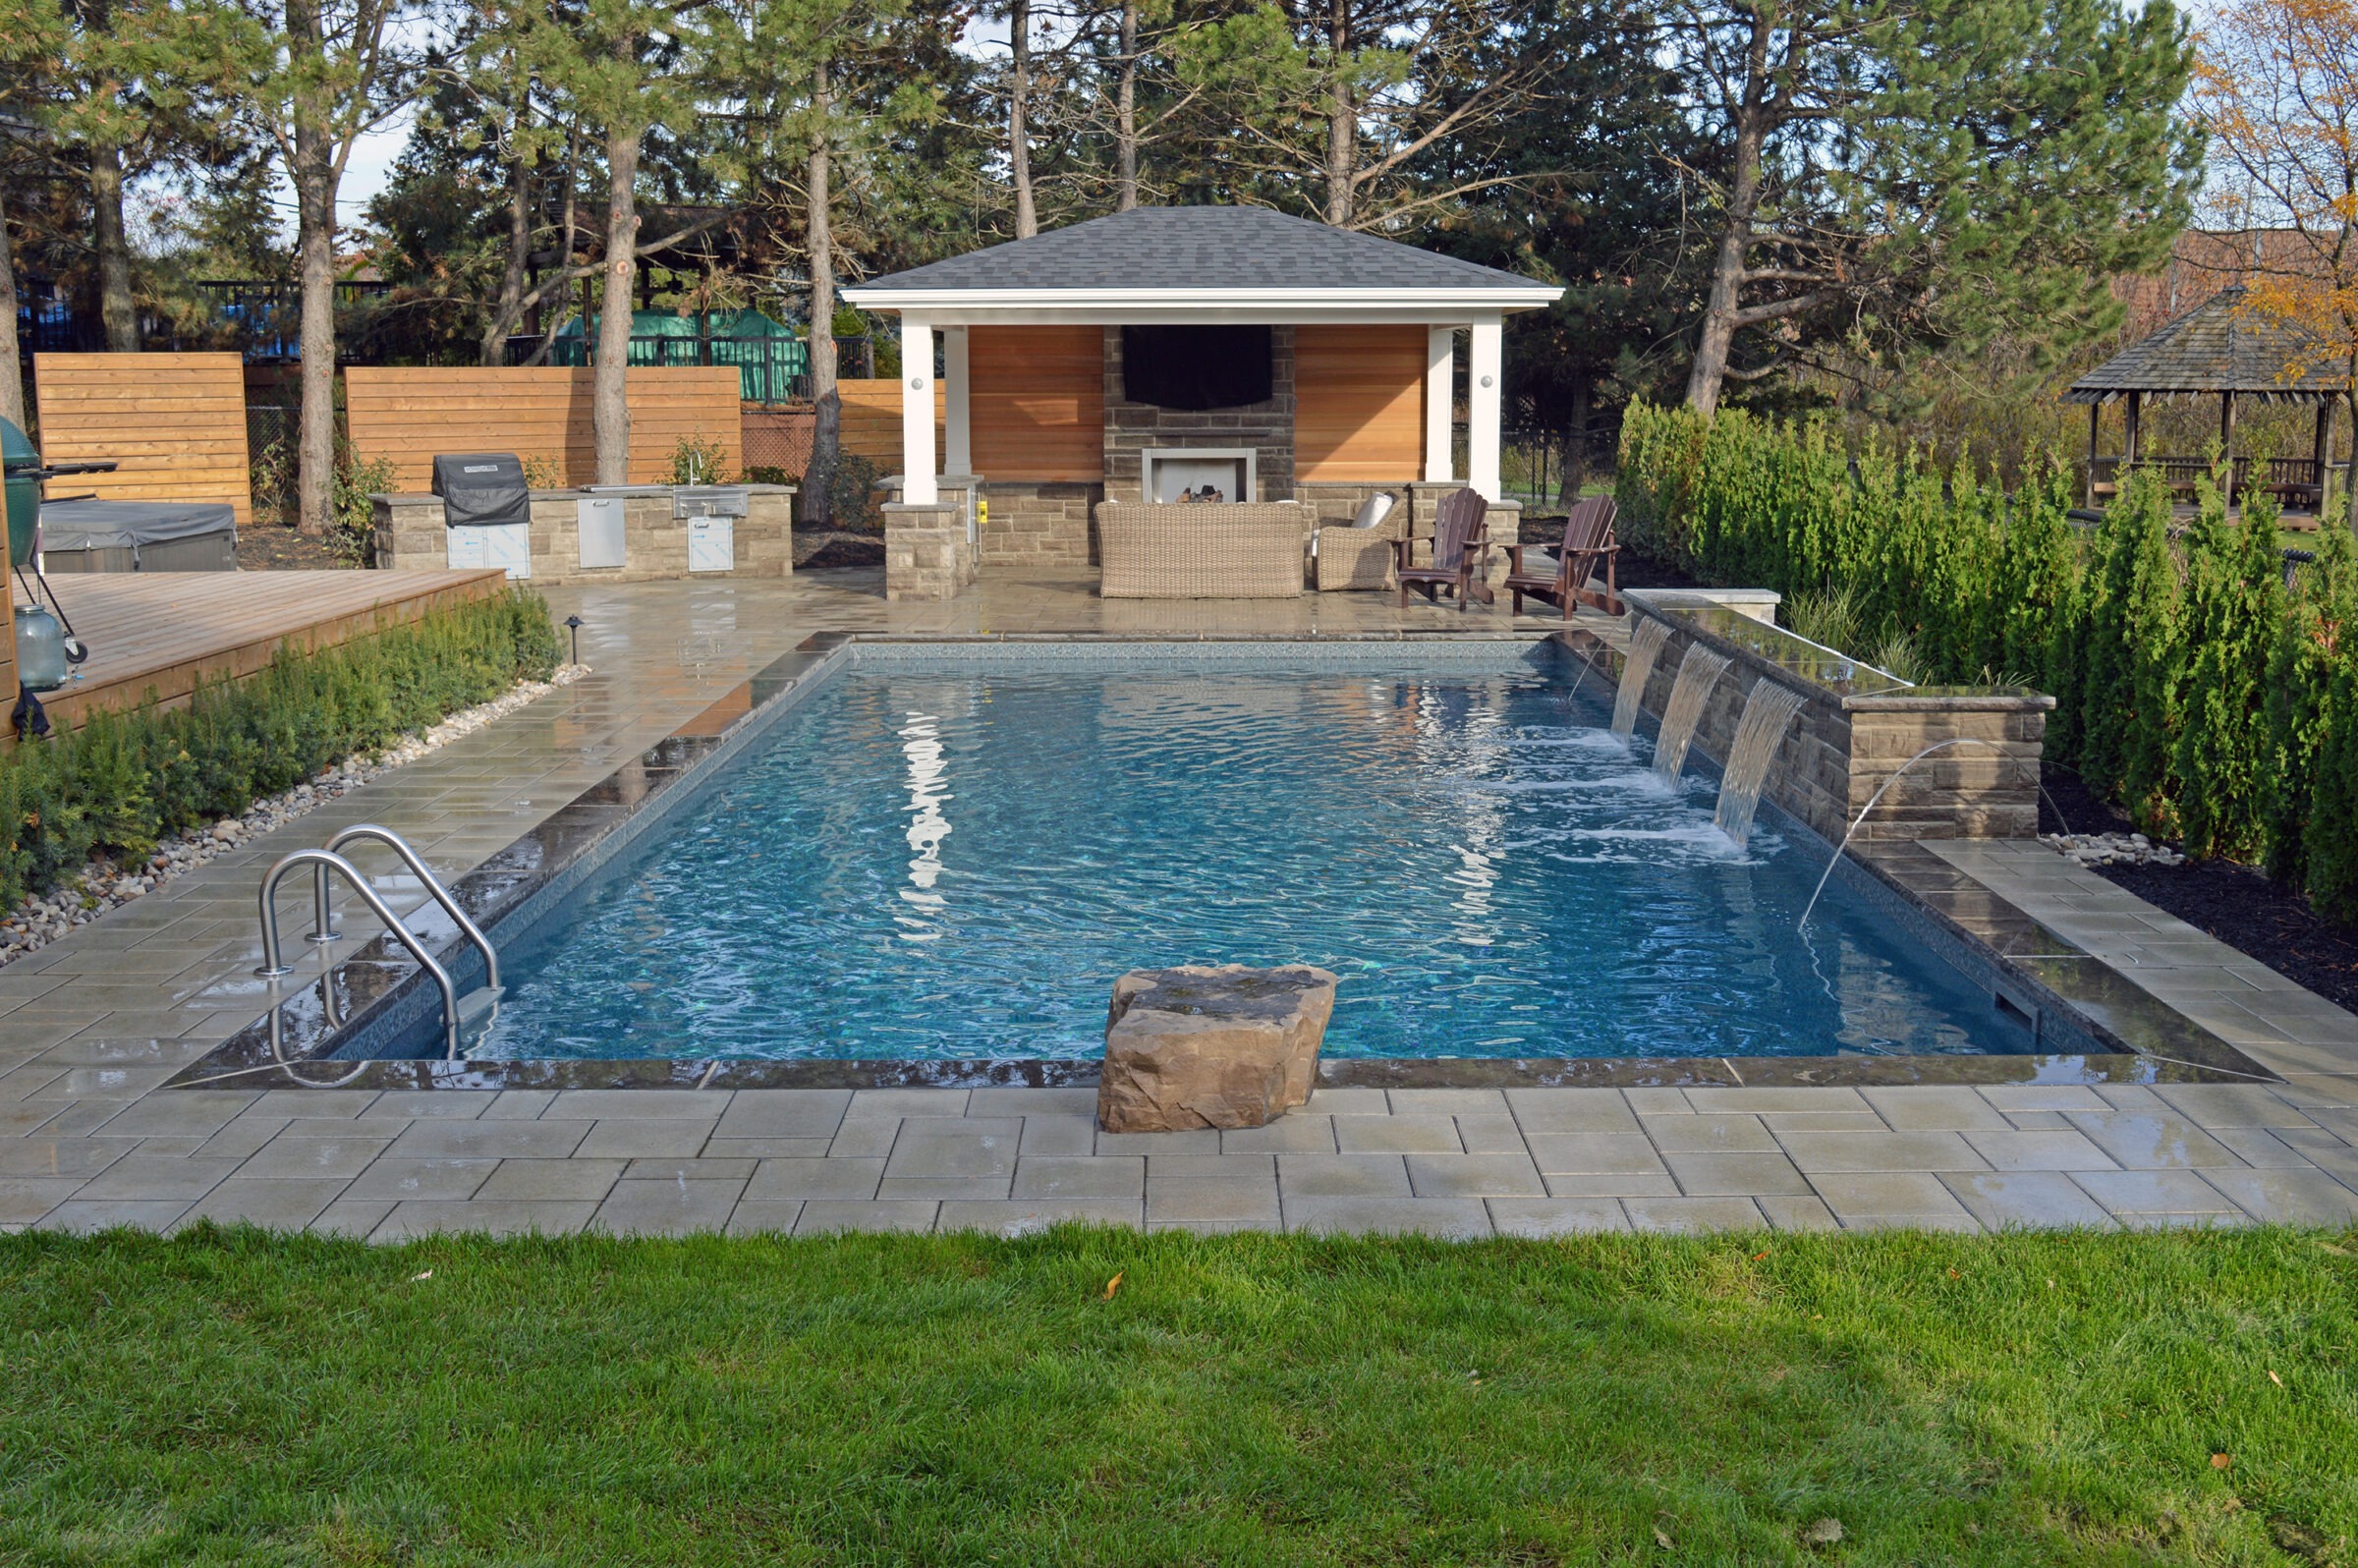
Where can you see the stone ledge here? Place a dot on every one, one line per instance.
(1949, 699)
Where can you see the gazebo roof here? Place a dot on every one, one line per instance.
(2219, 346)
(1198, 264)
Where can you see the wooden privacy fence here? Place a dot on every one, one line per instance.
(408, 414)
(174, 423)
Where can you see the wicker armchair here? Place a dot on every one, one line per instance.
(1352, 557)
(1200, 550)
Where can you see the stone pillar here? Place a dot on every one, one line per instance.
(1986, 785)
(1485, 370)
(1440, 396)
(927, 553)
(1504, 520)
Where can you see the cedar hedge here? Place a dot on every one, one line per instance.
(2214, 703)
(121, 781)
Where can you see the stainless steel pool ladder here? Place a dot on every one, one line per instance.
(464, 1018)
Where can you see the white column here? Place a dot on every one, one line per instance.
(1441, 390)
(1485, 370)
(957, 443)
(918, 487)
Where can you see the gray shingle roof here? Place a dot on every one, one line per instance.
(2219, 346)
(1199, 247)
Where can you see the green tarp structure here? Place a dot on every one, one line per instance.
(771, 358)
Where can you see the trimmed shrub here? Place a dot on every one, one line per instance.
(121, 781)
(2190, 686)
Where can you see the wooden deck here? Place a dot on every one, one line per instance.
(153, 635)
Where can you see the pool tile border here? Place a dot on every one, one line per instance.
(380, 990)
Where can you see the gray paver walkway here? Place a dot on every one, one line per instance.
(92, 1025)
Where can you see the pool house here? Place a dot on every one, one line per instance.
(1179, 355)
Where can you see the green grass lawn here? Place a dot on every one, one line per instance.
(2035, 1399)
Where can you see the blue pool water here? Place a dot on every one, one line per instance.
(928, 863)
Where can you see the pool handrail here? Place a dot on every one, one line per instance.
(272, 965)
(325, 931)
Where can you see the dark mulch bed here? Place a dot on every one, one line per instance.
(275, 547)
(816, 549)
(2237, 904)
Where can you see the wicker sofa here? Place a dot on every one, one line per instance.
(1200, 551)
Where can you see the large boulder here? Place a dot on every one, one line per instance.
(1200, 1046)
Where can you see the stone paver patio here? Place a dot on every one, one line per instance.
(90, 1027)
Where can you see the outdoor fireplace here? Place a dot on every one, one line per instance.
(1180, 473)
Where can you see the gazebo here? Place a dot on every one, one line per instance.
(2223, 348)
(1180, 353)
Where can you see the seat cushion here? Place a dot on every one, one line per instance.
(1373, 511)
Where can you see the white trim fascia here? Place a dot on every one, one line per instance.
(1147, 306)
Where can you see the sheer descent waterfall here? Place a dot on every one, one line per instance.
(1646, 640)
(1768, 712)
(1697, 673)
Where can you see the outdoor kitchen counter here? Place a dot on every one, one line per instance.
(408, 533)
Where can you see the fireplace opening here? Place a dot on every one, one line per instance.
(1199, 474)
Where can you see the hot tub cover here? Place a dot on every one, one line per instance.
(122, 524)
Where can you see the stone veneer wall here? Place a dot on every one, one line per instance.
(1266, 427)
(1334, 505)
(1038, 523)
(1840, 749)
(408, 534)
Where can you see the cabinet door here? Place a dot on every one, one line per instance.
(712, 543)
(601, 523)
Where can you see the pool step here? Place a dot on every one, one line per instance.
(479, 1010)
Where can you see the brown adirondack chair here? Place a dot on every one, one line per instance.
(1460, 544)
(1588, 539)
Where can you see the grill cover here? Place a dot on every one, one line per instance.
(480, 489)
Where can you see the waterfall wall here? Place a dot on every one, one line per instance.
(1856, 726)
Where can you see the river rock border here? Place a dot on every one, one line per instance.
(104, 884)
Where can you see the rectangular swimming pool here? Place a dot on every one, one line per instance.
(950, 853)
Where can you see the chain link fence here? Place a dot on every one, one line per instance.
(270, 459)
(1549, 468)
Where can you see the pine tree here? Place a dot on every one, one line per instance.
(1902, 175)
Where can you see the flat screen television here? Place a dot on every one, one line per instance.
(1195, 366)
